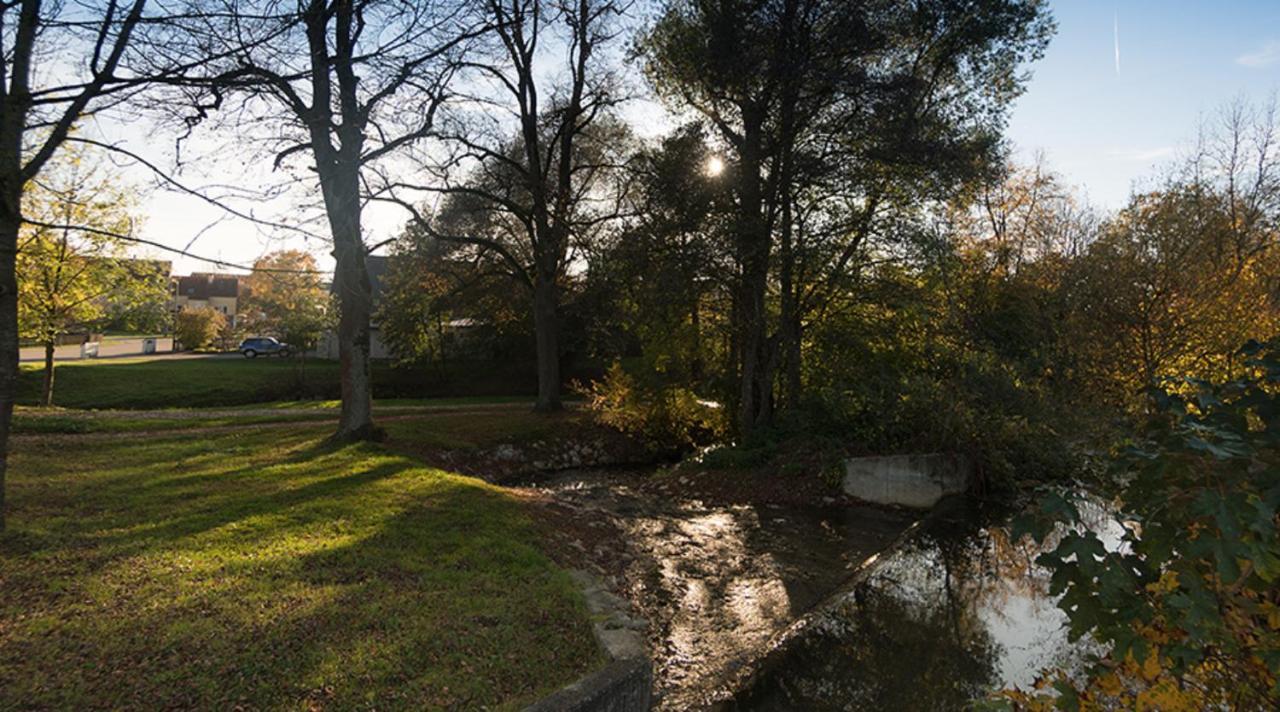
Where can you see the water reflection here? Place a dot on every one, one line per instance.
(717, 582)
(957, 612)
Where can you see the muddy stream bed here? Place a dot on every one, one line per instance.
(715, 581)
(776, 607)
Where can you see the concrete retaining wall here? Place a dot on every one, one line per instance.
(622, 686)
(908, 480)
(625, 684)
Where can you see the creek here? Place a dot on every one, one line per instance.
(957, 612)
(839, 606)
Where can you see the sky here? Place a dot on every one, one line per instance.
(1122, 88)
(1105, 124)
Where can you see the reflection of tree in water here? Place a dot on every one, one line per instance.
(905, 640)
(885, 654)
(961, 610)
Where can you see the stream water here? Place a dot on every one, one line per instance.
(758, 607)
(959, 611)
(717, 582)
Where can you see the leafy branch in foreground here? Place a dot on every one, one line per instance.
(1188, 601)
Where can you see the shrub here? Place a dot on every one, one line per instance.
(1189, 602)
(199, 328)
(665, 414)
(955, 400)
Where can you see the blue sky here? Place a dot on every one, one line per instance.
(1179, 61)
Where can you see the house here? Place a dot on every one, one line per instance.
(327, 346)
(220, 292)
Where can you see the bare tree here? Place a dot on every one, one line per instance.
(534, 152)
(348, 84)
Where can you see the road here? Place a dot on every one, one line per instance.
(110, 348)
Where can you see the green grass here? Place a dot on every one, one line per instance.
(150, 383)
(177, 383)
(262, 569)
(417, 422)
(77, 422)
(396, 402)
(480, 429)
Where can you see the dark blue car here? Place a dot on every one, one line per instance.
(264, 346)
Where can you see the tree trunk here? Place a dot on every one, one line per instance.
(754, 407)
(46, 395)
(696, 366)
(341, 188)
(755, 397)
(790, 336)
(789, 326)
(547, 330)
(9, 223)
(354, 299)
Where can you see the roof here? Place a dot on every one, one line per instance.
(203, 285)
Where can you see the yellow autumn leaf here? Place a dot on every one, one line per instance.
(1110, 684)
(1167, 583)
(1151, 668)
(1165, 697)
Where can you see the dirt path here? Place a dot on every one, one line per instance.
(716, 582)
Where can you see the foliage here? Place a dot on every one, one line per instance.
(657, 290)
(77, 277)
(285, 297)
(198, 328)
(1162, 291)
(838, 119)
(440, 303)
(71, 267)
(280, 573)
(668, 415)
(1189, 600)
(910, 369)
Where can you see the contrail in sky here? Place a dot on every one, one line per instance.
(1117, 44)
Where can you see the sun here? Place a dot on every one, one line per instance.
(715, 166)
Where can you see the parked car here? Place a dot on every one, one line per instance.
(263, 345)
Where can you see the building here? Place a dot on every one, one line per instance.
(220, 292)
(327, 346)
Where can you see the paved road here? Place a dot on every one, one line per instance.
(113, 348)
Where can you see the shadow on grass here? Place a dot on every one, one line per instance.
(271, 570)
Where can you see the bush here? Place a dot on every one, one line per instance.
(665, 414)
(199, 328)
(955, 400)
(1188, 603)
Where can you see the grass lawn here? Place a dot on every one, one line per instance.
(262, 569)
(34, 421)
(465, 431)
(150, 383)
(430, 423)
(177, 383)
(399, 402)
